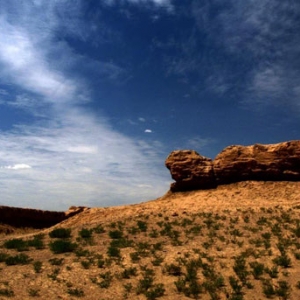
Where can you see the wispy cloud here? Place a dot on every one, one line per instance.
(18, 167)
(261, 36)
(160, 3)
(71, 156)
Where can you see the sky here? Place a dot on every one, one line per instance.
(94, 95)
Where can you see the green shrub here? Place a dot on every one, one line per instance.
(273, 272)
(173, 270)
(20, 259)
(283, 261)
(113, 252)
(3, 256)
(240, 268)
(128, 272)
(37, 243)
(6, 292)
(115, 234)
(33, 292)
(99, 229)
(56, 261)
(257, 269)
(85, 233)
(37, 265)
(106, 280)
(283, 290)
(156, 291)
(142, 226)
(75, 292)
(62, 246)
(268, 289)
(18, 244)
(61, 233)
(121, 243)
(135, 257)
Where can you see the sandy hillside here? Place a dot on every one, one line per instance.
(238, 241)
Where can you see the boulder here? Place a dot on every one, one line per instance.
(275, 162)
(190, 171)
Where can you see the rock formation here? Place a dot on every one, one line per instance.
(190, 170)
(276, 162)
(35, 218)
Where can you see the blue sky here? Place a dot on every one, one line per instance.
(95, 94)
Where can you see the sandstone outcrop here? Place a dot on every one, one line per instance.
(190, 170)
(275, 162)
(35, 218)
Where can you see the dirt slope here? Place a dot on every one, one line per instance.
(239, 241)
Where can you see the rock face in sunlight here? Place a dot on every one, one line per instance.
(275, 162)
(190, 171)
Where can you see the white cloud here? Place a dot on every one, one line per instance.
(198, 143)
(163, 3)
(148, 131)
(75, 157)
(261, 32)
(18, 167)
(142, 119)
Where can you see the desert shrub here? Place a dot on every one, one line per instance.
(144, 284)
(6, 292)
(37, 243)
(61, 233)
(157, 260)
(75, 292)
(85, 233)
(86, 263)
(172, 269)
(106, 280)
(3, 256)
(283, 290)
(283, 261)
(56, 261)
(80, 252)
(257, 269)
(128, 272)
(297, 255)
(142, 226)
(135, 257)
(18, 244)
(268, 289)
(236, 287)
(113, 252)
(99, 229)
(121, 243)
(240, 268)
(37, 266)
(54, 274)
(115, 234)
(33, 292)
(62, 246)
(273, 272)
(20, 259)
(156, 291)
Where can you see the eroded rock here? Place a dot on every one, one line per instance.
(274, 162)
(190, 170)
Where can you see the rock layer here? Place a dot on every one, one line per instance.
(275, 162)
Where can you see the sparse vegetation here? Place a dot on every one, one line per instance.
(153, 255)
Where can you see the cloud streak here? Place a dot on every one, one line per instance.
(70, 156)
(262, 37)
